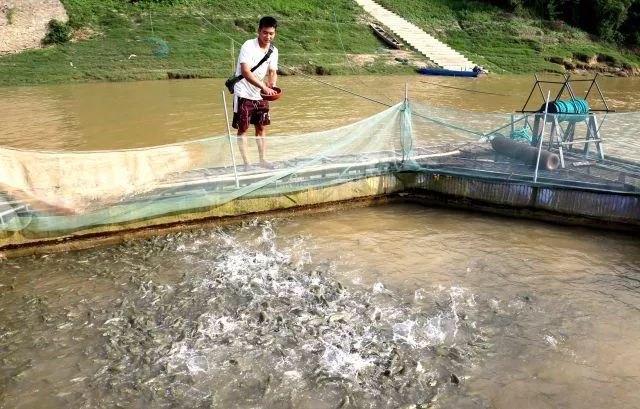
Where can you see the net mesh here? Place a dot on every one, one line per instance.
(49, 194)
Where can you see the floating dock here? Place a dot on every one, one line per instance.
(469, 175)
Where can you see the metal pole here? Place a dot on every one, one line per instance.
(531, 93)
(602, 96)
(403, 129)
(544, 123)
(564, 84)
(591, 86)
(233, 156)
(233, 57)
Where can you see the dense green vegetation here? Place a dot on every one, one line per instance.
(58, 33)
(118, 40)
(611, 20)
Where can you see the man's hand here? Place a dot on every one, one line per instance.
(268, 91)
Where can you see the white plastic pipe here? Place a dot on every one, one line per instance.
(233, 156)
(544, 124)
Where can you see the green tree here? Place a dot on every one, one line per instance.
(630, 29)
(611, 20)
(58, 33)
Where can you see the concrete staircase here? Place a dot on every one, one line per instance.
(436, 51)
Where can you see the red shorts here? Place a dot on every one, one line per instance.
(251, 112)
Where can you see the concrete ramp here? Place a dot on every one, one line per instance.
(433, 49)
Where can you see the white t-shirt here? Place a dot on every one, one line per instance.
(251, 54)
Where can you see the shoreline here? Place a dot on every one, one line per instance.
(139, 42)
(186, 74)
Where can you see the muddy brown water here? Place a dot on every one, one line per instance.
(139, 114)
(391, 306)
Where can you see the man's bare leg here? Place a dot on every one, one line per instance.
(243, 146)
(261, 133)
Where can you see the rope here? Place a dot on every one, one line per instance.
(208, 22)
(459, 128)
(339, 88)
(295, 69)
(448, 125)
(522, 134)
(465, 89)
(515, 121)
(344, 51)
(346, 57)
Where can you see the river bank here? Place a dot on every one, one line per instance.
(117, 41)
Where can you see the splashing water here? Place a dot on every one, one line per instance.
(253, 306)
(252, 321)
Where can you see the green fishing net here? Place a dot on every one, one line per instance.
(60, 194)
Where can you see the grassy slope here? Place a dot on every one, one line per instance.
(315, 36)
(505, 42)
(311, 36)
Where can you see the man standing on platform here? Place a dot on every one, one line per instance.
(249, 107)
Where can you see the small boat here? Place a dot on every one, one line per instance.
(386, 37)
(450, 73)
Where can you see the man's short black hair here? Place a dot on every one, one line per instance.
(268, 21)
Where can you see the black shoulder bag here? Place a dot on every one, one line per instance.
(231, 82)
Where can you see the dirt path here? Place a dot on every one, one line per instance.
(23, 23)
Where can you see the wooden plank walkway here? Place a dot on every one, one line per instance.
(430, 47)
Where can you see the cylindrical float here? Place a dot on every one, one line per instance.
(524, 153)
